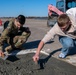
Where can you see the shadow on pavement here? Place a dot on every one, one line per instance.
(31, 45)
(34, 44)
(12, 58)
(72, 51)
(42, 62)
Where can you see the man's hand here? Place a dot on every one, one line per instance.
(1, 54)
(35, 58)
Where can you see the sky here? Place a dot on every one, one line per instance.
(12, 8)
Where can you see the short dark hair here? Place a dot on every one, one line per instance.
(21, 19)
(63, 19)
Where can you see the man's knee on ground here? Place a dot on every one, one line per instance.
(21, 40)
(26, 34)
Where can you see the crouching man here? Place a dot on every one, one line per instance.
(65, 28)
(14, 34)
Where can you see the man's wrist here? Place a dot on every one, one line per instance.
(37, 54)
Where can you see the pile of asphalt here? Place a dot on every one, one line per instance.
(24, 65)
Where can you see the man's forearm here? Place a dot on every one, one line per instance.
(41, 44)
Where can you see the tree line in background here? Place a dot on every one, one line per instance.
(26, 17)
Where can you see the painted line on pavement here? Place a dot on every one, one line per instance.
(18, 52)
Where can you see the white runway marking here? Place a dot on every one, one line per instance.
(17, 52)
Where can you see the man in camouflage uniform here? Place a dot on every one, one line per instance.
(14, 34)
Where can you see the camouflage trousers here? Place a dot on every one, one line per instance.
(14, 42)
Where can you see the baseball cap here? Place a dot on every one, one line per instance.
(21, 19)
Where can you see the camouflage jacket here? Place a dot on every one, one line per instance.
(11, 30)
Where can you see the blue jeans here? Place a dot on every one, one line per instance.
(67, 44)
